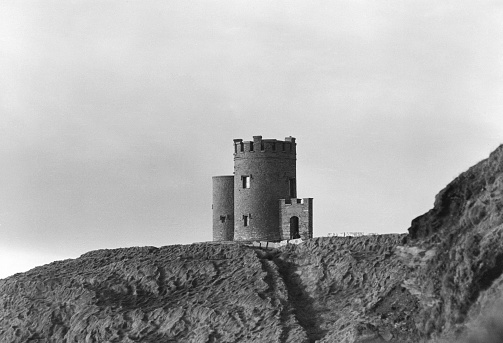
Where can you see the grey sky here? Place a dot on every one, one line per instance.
(114, 115)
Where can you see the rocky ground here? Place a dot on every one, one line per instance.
(443, 282)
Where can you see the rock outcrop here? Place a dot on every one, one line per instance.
(461, 246)
(443, 282)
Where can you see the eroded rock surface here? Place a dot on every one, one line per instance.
(349, 289)
(327, 289)
(194, 293)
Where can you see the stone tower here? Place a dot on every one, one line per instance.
(223, 208)
(264, 194)
(264, 172)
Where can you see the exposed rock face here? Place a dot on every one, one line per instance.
(461, 243)
(196, 293)
(472, 201)
(443, 282)
(348, 289)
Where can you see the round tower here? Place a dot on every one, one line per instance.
(223, 208)
(264, 172)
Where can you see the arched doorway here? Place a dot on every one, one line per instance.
(294, 227)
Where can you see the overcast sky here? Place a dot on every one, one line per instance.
(114, 115)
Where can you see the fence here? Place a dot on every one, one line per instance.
(352, 234)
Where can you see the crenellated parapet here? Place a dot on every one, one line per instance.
(295, 201)
(264, 148)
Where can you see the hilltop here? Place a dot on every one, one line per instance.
(440, 282)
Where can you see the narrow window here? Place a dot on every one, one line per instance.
(251, 146)
(246, 181)
(242, 146)
(283, 146)
(293, 188)
(262, 146)
(235, 148)
(245, 221)
(273, 146)
(222, 219)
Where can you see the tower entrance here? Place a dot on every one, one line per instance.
(294, 227)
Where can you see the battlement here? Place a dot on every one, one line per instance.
(265, 148)
(295, 201)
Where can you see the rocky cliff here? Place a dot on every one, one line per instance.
(461, 243)
(441, 282)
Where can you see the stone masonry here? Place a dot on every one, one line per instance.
(264, 195)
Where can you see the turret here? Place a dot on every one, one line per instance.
(223, 208)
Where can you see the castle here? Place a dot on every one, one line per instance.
(259, 202)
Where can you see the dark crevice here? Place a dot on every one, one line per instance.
(305, 313)
(485, 281)
(264, 258)
(161, 281)
(487, 278)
